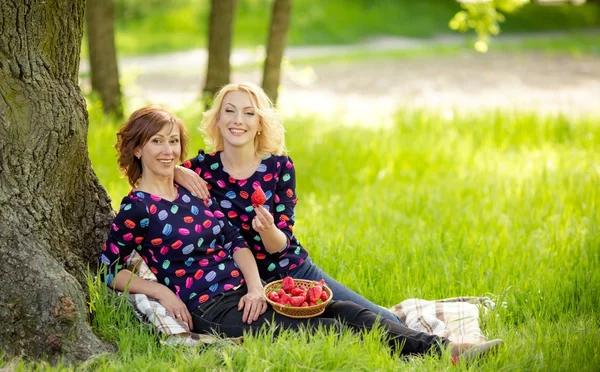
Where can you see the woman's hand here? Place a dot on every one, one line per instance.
(191, 181)
(254, 305)
(263, 221)
(175, 306)
(273, 239)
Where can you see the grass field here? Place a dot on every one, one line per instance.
(155, 26)
(499, 204)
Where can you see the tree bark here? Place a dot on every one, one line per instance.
(280, 23)
(219, 45)
(104, 71)
(54, 214)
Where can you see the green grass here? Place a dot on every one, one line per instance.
(500, 203)
(575, 43)
(154, 26)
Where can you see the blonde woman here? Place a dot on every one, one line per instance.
(248, 137)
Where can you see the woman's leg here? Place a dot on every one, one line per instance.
(399, 336)
(309, 271)
(222, 317)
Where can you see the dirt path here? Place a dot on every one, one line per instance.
(468, 82)
(369, 91)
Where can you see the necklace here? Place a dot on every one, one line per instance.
(240, 173)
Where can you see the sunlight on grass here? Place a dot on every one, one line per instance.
(500, 203)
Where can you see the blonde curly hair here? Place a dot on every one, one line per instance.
(272, 134)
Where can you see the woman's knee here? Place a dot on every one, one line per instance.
(344, 310)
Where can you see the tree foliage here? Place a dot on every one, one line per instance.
(484, 17)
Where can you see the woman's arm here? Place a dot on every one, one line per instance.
(121, 241)
(188, 176)
(276, 230)
(253, 303)
(191, 181)
(125, 280)
(273, 239)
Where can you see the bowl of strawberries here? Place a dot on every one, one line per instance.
(298, 298)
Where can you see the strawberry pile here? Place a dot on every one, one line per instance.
(293, 295)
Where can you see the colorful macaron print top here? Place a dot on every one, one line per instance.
(277, 177)
(186, 243)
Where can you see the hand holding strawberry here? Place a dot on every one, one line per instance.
(263, 221)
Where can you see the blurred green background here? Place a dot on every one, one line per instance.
(154, 26)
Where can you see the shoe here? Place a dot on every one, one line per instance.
(476, 350)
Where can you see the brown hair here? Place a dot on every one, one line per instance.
(137, 131)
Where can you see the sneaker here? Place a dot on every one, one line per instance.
(471, 352)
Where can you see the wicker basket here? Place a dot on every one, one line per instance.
(297, 312)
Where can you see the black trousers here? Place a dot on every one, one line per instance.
(221, 316)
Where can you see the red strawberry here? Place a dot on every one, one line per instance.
(288, 284)
(320, 282)
(324, 296)
(258, 196)
(314, 293)
(298, 292)
(281, 292)
(273, 296)
(284, 299)
(296, 301)
(304, 304)
(312, 303)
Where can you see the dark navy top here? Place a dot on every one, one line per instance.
(276, 176)
(187, 243)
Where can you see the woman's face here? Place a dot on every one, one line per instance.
(238, 121)
(161, 153)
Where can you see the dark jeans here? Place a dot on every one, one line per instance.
(221, 316)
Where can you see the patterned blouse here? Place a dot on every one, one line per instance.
(276, 176)
(188, 244)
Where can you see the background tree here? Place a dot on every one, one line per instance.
(54, 215)
(100, 21)
(483, 16)
(219, 45)
(280, 23)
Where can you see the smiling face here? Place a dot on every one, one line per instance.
(238, 121)
(161, 153)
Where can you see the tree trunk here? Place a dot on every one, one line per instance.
(54, 214)
(219, 45)
(280, 23)
(100, 20)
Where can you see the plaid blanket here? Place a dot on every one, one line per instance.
(151, 312)
(454, 318)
